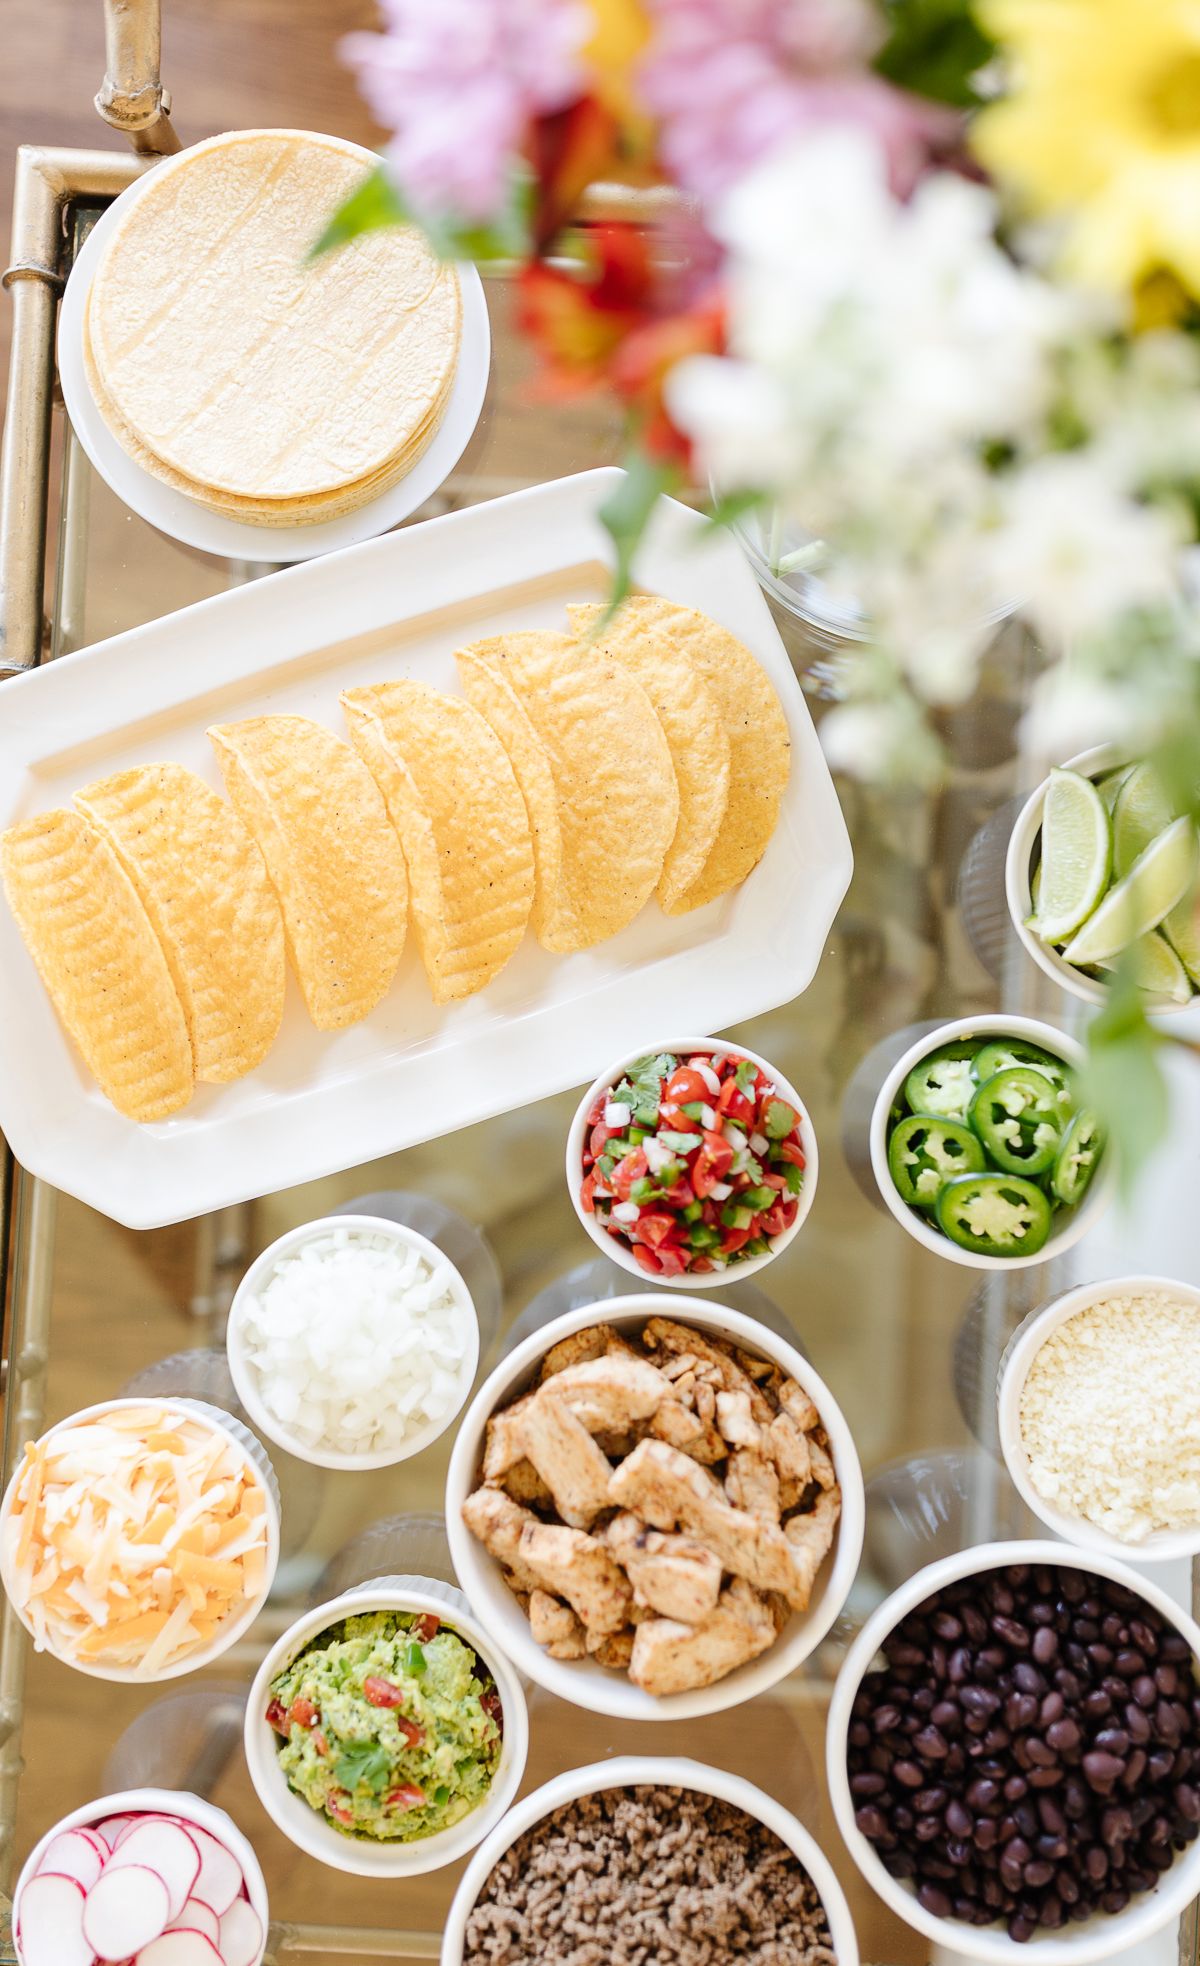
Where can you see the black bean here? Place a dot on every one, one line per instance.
(931, 1744)
(1052, 1708)
(1040, 1752)
(1144, 1691)
(1045, 1644)
(871, 1821)
(885, 1718)
(1027, 1678)
(1102, 1769)
(867, 1783)
(1015, 1787)
(908, 1774)
(928, 1802)
(934, 1901)
(1187, 1801)
(1137, 1725)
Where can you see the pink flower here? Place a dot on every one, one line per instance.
(459, 81)
(732, 80)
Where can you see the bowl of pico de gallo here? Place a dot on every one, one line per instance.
(692, 1163)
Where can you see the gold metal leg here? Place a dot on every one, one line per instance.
(132, 98)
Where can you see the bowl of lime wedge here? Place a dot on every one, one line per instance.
(1103, 870)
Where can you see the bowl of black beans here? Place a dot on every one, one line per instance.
(1014, 1754)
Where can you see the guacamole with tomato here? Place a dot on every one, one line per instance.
(389, 1726)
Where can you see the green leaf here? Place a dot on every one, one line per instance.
(730, 506)
(365, 1764)
(745, 1076)
(935, 48)
(379, 202)
(779, 1120)
(625, 516)
(1124, 1081)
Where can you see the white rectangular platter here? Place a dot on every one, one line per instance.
(292, 641)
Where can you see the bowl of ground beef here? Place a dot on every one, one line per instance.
(657, 1860)
(1014, 1755)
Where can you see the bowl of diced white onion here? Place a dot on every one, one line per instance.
(353, 1342)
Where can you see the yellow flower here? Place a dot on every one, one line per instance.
(620, 33)
(1102, 129)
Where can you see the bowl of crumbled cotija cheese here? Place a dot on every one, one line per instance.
(1099, 1416)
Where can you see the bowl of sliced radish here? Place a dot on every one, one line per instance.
(149, 1877)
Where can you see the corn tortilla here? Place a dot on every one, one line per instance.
(201, 880)
(452, 797)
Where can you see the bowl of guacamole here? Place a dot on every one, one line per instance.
(384, 1734)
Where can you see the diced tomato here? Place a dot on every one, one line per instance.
(633, 1168)
(427, 1626)
(680, 1194)
(711, 1164)
(337, 1802)
(672, 1260)
(772, 1180)
(303, 1712)
(701, 1263)
(711, 1214)
(489, 1700)
(655, 1227)
(413, 1733)
(407, 1796)
(773, 1222)
(382, 1692)
(320, 1743)
(790, 1209)
(648, 1259)
(587, 1194)
(598, 1105)
(685, 1088)
(277, 1717)
(734, 1105)
(734, 1239)
(600, 1137)
(792, 1151)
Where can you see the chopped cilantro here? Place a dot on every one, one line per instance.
(793, 1176)
(363, 1764)
(745, 1076)
(779, 1120)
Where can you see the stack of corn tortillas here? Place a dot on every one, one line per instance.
(583, 774)
(268, 386)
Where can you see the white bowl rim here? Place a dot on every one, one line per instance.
(308, 1831)
(243, 1374)
(657, 1771)
(990, 1023)
(1102, 758)
(167, 1802)
(1096, 1940)
(615, 1249)
(581, 1682)
(1161, 1547)
(203, 1655)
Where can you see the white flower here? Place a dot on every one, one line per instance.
(1077, 550)
(884, 740)
(1072, 711)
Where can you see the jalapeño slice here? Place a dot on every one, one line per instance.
(994, 1214)
(941, 1084)
(923, 1154)
(1078, 1158)
(1019, 1117)
(1004, 1053)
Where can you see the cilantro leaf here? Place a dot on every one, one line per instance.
(745, 1076)
(365, 1764)
(779, 1119)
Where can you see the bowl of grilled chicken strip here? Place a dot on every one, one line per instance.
(655, 1516)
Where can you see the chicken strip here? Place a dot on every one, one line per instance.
(576, 1349)
(795, 1401)
(667, 1488)
(567, 1459)
(669, 1657)
(616, 1650)
(736, 1422)
(498, 1522)
(810, 1536)
(554, 1625)
(570, 1564)
(682, 1428)
(789, 1449)
(822, 1467)
(523, 1482)
(504, 1444)
(608, 1393)
(751, 1483)
(663, 1334)
(674, 1575)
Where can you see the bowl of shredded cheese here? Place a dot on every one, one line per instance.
(353, 1342)
(139, 1538)
(1097, 1412)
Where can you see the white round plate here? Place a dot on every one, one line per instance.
(193, 524)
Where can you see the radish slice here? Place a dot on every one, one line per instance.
(125, 1910)
(166, 1848)
(220, 1879)
(50, 1923)
(241, 1934)
(73, 1855)
(113, 1827)
(179, 1949)
(197, 1917)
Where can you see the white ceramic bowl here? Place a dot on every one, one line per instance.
(253, 1451)
(619, 1250)
(1095, 1938)
(309, 1830)
(248, 1380)
(167, 1802)
(1075, 1222)
(638, 1771)
(1018, 875)
(1022, 1349)
(582, 1681)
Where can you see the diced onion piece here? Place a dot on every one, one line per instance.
(616, 1113)
(705, 1070)
(721, 1190)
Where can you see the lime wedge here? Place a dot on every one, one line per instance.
(1076, 855)
(1109, 786)
(1142, 811)
(1157, 967)
(1182, 930)
(1159, 878)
